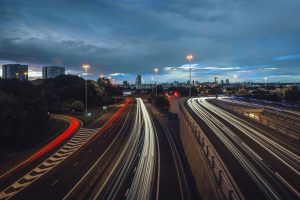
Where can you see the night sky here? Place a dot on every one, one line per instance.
(252, 39)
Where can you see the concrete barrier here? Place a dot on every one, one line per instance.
(211, 175)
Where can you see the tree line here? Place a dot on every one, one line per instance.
(24, 106)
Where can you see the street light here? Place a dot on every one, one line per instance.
(265, 81)
(152, 80)
(26, 77)
(85, 66)
(190, 57)
(234, 78)
(155, 72)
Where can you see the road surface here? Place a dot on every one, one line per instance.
(263, 167)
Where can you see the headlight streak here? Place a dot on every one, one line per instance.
(142, 182)
(216, 126)
(288, 158)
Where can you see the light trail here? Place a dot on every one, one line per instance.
(125, 160)
(80, 139)
(140, 147)
(289, 114)
(217, 126)
(287, 157)
(74, 125)
(200, 106)
(144, 177)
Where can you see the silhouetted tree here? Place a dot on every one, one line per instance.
(23, 116)
(292, 95)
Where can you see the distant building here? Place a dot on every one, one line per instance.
(15, 71)
(175, 84)
(227, 81)
(222, 82)
(138, 81)
(52, 71)
(125, 84)
(104, 81)
(216, 80)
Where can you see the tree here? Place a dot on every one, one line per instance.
(77, 106)
(66, 89)
(23, 116)
(292, 95)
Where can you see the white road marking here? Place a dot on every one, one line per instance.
(83, 135)
(54, 183)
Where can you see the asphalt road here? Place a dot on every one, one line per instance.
(135, 157)
(173, 181)
(147, 166)
(262, 167)
(77, 156)
(30, 161)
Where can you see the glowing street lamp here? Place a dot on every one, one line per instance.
(265, 81)
(235, 78)
(190, 57)
(26, 77)
(85, 66)
(155, 72)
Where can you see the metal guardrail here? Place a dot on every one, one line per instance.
(226, 185)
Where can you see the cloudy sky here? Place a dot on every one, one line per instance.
(252, 39)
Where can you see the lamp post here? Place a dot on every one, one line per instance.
(265, 81)
(155, 71)
(26, 76)
(86, 68)
(234, 78)
(190, 57)
(152, 80)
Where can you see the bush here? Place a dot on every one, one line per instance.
(77, 106)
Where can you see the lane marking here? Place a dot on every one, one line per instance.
(75, 164)
(54, 183)
(56, 158)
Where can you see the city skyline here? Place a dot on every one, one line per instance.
(225, 37)
(197, 70)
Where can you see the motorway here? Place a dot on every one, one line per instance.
(289, 120)
(173, 181)
(61, 168)
(146, 166)
(262, 166)
(118, 156)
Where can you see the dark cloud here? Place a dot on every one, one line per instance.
(132, 36)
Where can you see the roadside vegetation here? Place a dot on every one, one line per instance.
(290, 96)
(25, 108)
